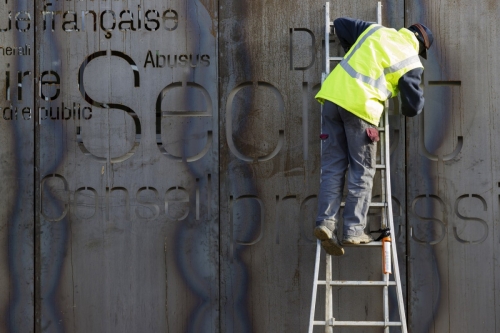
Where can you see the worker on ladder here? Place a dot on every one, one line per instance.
(379, 63)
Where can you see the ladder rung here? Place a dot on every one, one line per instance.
(359, 323)
(336, 58)
(380, 166)
(358, 283)
(381, 129)
(378, 204)
(372, 204)
(363, 245)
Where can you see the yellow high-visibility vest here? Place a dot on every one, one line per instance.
(369, 73)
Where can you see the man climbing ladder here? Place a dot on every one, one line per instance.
(379, 62)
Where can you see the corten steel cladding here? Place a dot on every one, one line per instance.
(128, 166)
(159, 167)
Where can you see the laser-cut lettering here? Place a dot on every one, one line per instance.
(422, 148)
(229, 126)
(108, 30)
(256, 234)
(108, 20)
(434, 220)
(104, 105)
(84, 15)
(172, 197)
(170, 16)
(279, 210)
(311, 49)
(148, 19)
(22, 19)
(109, 191)
(305, 120)
(47, 82)
(26, 113)
(9, 23)
(44, 202)
(7, 84)
(84, 202)
(64, 113)
(11, 113)
(129, 22)
(46, 12)
(209, 197)
(21, 77)
(69, 26)
(481, 222)
(174, 60)
(183, 86)
(80, 193)
(307, 223)
(151, 206)
(445, 83)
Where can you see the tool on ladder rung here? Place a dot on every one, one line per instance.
(385, 241)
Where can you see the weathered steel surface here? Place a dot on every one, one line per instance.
(16, 166)
(453, 172)
(126, 114)
(128, 166)
(271, 63)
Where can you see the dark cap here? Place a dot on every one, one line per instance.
(424, 36)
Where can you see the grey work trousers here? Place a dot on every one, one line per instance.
(347, 146)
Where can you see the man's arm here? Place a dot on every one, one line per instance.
(348, 30)
(412, 97)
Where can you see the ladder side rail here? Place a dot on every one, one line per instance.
(329, 294)
(312, 322)
(315, 287)
(358, 323)
(399, 290)
(379, 12)
(386, 196)
(386, 302)
(327, 38)
(386, 212)
(328, 258)
(383, 172)
(384, 176)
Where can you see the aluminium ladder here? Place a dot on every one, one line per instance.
(387, 222)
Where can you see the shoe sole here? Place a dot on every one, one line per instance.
(331, 245)
(321, 233)
(356, 242)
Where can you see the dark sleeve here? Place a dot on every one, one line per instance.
(412, 97)
(348, 30)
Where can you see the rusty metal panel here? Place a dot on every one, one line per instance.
(453, 172)
(110, 136)
(271, 60)
(16, 166)
(128, 164)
